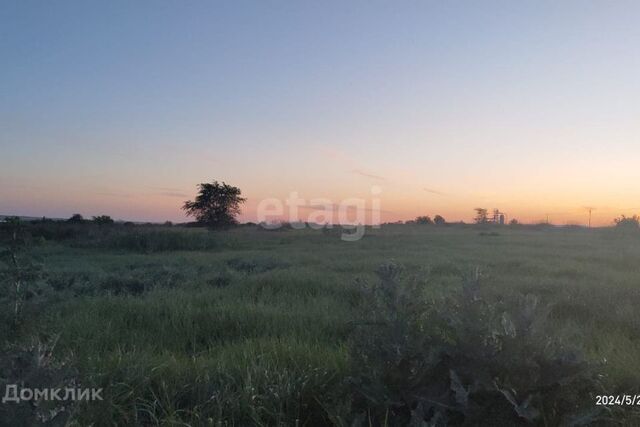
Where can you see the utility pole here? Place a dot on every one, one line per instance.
(590, 209)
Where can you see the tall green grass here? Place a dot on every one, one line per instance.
(187, 327)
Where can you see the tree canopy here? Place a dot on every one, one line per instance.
(216, 205)
(424, 220)
(76, 219)
(103, 220)
(481, 216)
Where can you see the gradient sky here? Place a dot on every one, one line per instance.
(122, 107)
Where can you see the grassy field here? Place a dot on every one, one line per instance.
(253, 327)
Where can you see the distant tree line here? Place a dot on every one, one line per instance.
(99, 220)
(426, 220)
(217, 206)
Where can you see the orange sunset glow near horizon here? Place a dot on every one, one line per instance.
(122, 109)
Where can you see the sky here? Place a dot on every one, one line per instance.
(122, 108)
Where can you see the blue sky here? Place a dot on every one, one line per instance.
(122, 107)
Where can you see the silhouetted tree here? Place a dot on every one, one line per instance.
(627, 221)
(423, 220)
(103, 220)
(216, 205)
(76, 219)
(439, 220)
(514, 222)
(481, 216)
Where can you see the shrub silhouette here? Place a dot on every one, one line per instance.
(424, 220)
(103, 220)
(439, 220)
(76, 219)
(462, 359)
(632, 222)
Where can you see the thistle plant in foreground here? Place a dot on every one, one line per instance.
(463, 358)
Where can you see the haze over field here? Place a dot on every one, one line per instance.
(121, 108)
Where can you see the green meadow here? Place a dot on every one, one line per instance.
(183, 326)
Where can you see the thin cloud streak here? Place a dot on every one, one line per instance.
(165, 192)
(173, 194)
(168, 189)
(368, 175)
(109, 194)
(334, 207)
(429, 190)
(170, 192)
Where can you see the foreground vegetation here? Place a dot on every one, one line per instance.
(423, 324)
